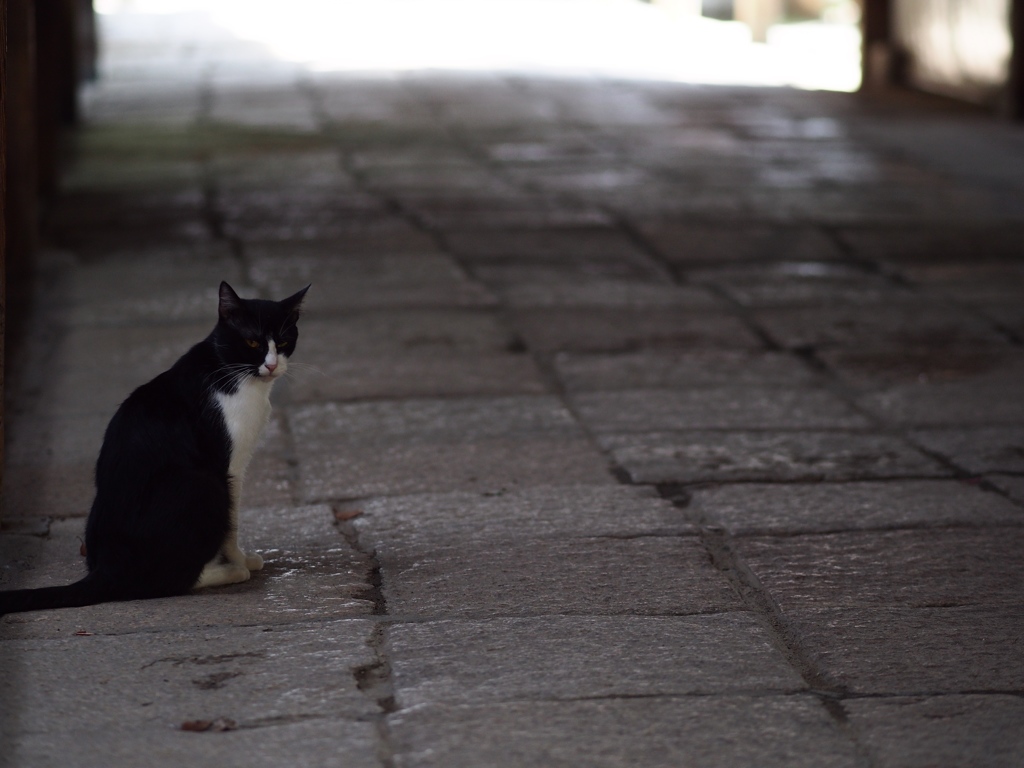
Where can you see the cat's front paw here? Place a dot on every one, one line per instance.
(253, 561)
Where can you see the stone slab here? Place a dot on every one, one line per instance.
(650, 410)
(544, 245)
(295, 212)
(906, 651)
(147, 231)
(600, 179)
(447, 463)
(444, 179)
(469, 418)
(58, 489)
(892, 569)
(557, 511)
(136, 102)
(400, 331)
(606, 293)
(502, 212)
(700, 731)
(153, 288)
(386, 280)
(415, 375)
(287, 162)
(416, 446)
(569, 271)
(720, 456)
(687, 243)
(397, 238)
(474, 662)
(1010, 485)
(909, 324)
(988, 449)
(92, 370)
(255, 106)
(971, 281)
(310, 574)
(669, 369)
(753, 508)
(968, 403)
(321, 228)
(630, 329)
(873, 369)
(312, 743)
(157, 681)
(940, 731)
(552, 576)
(1006, 315)
(935, 243)
(806, 283)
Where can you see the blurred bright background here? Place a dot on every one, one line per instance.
(812, 44)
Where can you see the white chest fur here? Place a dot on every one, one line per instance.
(246, 413)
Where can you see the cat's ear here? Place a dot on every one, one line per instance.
(293, 305)
(230, 304)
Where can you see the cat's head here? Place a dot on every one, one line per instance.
(255, 337)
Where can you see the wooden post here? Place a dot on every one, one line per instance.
(3, 236)
(21, 214)
(878, 58)
(21, 211)
(86, 43)
(56, 84)
(1014, 103)
(758, 15)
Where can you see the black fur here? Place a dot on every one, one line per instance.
(162, 505)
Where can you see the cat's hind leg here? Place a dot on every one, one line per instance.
(231, 551)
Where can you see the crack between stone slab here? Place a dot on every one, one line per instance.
(894, 276)
(374, 679)
(212, 215)
(808, 354)
(828, 692)
(741, 312)
(794, 533)
(833, 232)
(717, 543)
(854, 696)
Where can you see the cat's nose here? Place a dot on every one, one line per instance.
(271, 367)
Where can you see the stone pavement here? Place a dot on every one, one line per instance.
(635, 424)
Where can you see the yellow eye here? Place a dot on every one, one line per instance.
(283, 344)
(252, 343)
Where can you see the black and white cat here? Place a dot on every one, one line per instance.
(169, 474)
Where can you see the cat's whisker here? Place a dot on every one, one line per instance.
(304, 367)
(232, 374)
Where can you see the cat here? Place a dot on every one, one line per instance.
(169, 474)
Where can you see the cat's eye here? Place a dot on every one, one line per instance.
(283, 344)
(252, 343)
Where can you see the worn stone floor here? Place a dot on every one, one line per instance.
(637, 424)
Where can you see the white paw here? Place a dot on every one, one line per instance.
(253, 561)
(219, 574)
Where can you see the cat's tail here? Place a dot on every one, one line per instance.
(89, 591)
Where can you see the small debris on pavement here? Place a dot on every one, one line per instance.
(220, 724)
(344, 515)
